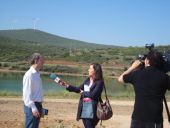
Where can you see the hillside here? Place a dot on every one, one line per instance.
(31, 35)
(16, 48)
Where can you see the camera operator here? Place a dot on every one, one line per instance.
(150, 85)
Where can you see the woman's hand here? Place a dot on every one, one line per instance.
(63, 83)
(81, 91)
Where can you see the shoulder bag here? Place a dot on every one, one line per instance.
(104, 109)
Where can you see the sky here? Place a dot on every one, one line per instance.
(111, 22)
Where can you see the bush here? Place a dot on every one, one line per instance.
(5, 65)
(61, 69)
(48, 68)
(23, 68)
(15, 66)
(66, 69)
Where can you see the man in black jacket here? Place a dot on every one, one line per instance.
(150, 85)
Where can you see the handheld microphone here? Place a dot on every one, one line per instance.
(55, 78)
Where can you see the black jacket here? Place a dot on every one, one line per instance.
(150, 85)
(94, 94)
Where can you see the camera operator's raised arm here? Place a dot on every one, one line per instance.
(134, 66)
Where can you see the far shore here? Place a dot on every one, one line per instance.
(66, 74)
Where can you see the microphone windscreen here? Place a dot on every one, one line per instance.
(53, 76)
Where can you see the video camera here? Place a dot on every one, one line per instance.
(44, 112)
(143, 56)
(165, 55)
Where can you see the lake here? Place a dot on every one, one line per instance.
(11, 84)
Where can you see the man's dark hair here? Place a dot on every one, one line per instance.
(98, 71)
(155, 59)
(34, 58)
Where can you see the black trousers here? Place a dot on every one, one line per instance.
(88, 123)
(140, 124)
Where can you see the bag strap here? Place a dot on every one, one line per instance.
(167, 110)
(100, 122)
(105, 92)
(100, 99)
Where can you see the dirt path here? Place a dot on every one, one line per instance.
(62, 114)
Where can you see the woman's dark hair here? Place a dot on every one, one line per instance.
(98, 71)
(155, 59)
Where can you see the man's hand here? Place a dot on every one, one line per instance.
(135, 64)
(36, 113)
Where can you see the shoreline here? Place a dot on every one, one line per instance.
(47, 73)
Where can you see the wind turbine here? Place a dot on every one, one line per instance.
(35, 20)
(14, 21)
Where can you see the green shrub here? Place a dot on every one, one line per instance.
(5, 65)
(23, 68)
(15, 66)
(66, 69)
(48, 68)
(61, 69)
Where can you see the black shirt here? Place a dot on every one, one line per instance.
(150, 86)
